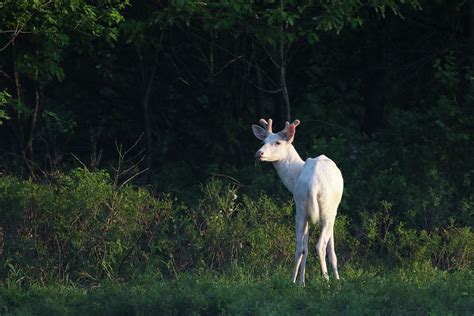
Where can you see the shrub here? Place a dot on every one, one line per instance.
(77, 226)
(222, 228)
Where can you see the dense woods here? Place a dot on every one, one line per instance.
(125, 139)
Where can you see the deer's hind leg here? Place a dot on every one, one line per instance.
(301, 253)
(332, 256)
(322, 245)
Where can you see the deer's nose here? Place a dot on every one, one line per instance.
(258, 155)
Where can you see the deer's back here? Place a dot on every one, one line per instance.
(320, 182)
(325, 174)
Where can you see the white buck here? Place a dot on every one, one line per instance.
(316, 185)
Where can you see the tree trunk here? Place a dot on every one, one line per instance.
(260, 97)
(146, 118)
(33, 123)
(147, 84)
(19, 96)
(284, 91)
(283, 65)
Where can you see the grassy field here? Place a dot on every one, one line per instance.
(419, 291)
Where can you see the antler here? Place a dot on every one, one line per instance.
(267, 125)
(289, 131)
(287, 125)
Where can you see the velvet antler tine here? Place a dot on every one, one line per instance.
(267, 125)
(270, 123)
(296, 122)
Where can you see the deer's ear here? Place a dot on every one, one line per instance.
(259, 132)
(290, 133)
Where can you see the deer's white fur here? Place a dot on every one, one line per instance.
(317, 187)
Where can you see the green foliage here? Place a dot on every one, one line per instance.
(4, 100)
(57, 123)
(79, 227)
(223, 228)
(41, 30)
(76, 227)
(394, 109)
(418, 290)
(36, 39)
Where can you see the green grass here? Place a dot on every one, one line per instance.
(417, 291)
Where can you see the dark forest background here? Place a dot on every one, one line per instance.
(125, 132)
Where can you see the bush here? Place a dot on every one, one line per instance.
(77, 226)
(223, 228)
(80, 227)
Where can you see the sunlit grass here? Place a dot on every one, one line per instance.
(417, 290)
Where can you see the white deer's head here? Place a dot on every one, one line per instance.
(275, 146)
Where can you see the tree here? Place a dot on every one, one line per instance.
(34, 38)
(276, 27)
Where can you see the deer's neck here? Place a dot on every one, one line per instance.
(289, 168)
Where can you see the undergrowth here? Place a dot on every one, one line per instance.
(79, 244)
(418, 290)
(82, 228)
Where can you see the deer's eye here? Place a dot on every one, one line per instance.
(278, 143)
